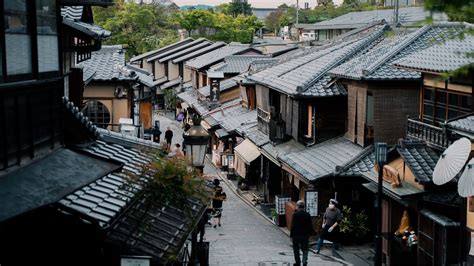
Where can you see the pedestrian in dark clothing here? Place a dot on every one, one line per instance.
(301, 229)
(168, 137)
(219, 197)
(331, 219)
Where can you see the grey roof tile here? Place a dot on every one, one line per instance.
(420, 159)
(217, 55)
(144, 77)
(321, 160)
(376, 61)
(72, 12)
(171, 83)
(465, 124)
(306, 74)
(91, 30)
(161, 50)
(236, 63)
(407, 16)
(224, 86)
(256, 136)
(167, 55)
(447, 56)
(276, 151)
(240, 122)
(199, 52)
(108, 64)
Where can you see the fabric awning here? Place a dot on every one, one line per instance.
(247, 151)
(48, 180)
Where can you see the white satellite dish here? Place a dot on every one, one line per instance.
(451, 161)
(466, 182)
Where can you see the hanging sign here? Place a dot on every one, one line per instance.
(311, 201)
(135, 261)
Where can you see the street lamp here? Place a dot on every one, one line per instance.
(195, 142)
(381, 160)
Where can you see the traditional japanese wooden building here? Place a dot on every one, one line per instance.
(61, 187)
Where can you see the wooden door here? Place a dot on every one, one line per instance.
(146, 115)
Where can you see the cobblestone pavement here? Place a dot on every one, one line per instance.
(246, 238)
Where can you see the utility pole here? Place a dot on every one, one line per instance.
(297, 10)
(396, 11)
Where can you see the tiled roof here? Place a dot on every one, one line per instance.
(72, 12)
(406, 16)
(224, 85)
(161, 50)
(107, 197)
(442, 57)
(420, 159)
(217, 55)
(321, 160)
(240, 122)
(171, 83)
(256, 136)
(203, 107)
(362, 165)
(49, 179)
(117, 205)
(79, 116)
(186, 51)
(325, 87)
(199, 52)
(236, 63)
(91, 30)
(144, 77)
(222, 114)
(465, 124)
(299, 75)
(273, 152)
(376, 62)
(165, 56)
(108, 64)
(189, 96)
(158, 233)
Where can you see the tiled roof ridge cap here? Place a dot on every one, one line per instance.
(84, 120)
(137, 69)
(369, 70)
(365, 152)
(370, 39)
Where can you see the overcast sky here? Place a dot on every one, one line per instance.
(254, 3)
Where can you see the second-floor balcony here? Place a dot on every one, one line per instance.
(434, 136)
(272, 125)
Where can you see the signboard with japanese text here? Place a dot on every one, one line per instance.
(311, 201)
(215, 91)
(135, 261)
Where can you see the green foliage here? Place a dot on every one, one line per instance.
(457, 10)
(218, 26)
(346, 225)
(169, 181)
(354, 224)
(236, 9)
(275, 20)
(140, 28)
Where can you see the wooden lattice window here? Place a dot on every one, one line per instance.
(98, 113)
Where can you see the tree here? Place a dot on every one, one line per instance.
(139, 28)
(325, 3)
(240, 9)
(274, 21)
(457, 10)
(194, 19)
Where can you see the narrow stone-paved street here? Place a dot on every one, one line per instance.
(246, 238)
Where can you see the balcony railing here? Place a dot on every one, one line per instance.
(264, 115)
(434, 136)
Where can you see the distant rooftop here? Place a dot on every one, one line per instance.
(352, 20)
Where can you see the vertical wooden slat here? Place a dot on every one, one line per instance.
(352, 112)
(17, 129)
(361, 113)
(3, 132)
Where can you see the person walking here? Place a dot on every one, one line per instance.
(331, 219)
(301, 229)
(217, 200)
(168, 137)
